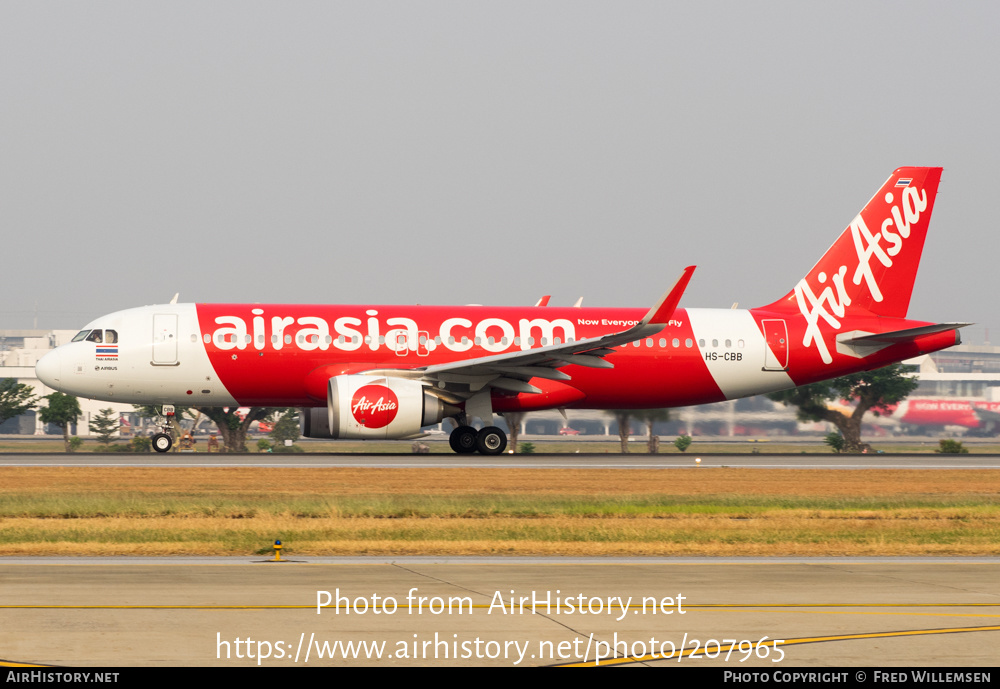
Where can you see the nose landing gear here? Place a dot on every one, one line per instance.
(162, 442)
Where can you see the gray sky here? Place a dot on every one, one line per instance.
(481, 152)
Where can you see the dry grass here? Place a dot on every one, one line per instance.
(353, 481)
(164, 511)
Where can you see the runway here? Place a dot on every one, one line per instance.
(551, 461)
(501, 612)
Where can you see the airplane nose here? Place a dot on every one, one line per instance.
(48, 369)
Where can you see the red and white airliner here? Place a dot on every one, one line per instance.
(387, 371)
(977, 415)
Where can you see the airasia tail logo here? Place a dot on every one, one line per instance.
(374, 406)
(832, 300)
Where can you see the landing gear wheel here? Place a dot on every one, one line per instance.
(491, 441)
(463, 440)
(162, 442)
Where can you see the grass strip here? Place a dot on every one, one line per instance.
(86, 511)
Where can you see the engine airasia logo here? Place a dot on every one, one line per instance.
(374, 406)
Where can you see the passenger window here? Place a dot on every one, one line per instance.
(701, 342)
(729, 343)
(688, 342)
(715, 343)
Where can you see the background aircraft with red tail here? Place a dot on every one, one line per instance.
(387, 371)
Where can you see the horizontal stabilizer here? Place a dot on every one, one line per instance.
(897, 336)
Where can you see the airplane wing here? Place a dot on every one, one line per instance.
(512, 370)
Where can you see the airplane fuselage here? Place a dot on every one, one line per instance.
(283, 355)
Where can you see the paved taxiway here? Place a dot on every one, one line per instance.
(552, 461)
(194, 611)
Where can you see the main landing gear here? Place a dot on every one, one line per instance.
(489, 441)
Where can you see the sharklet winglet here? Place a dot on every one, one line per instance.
(661, 313)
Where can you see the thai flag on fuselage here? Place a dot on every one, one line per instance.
(107, 351)
(904, 181)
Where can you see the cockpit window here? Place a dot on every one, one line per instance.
(95, 336)
(80, 335)
(110, 337)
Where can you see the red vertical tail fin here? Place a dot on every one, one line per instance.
(873, 265)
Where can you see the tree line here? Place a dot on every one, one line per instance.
(876, 391)
(64, 410)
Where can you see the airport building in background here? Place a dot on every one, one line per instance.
(20, 350)
(966, 375)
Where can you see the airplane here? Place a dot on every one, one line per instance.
(973, 415)
(382, 371)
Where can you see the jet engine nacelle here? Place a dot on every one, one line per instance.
(373, 407)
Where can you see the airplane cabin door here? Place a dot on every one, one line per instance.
(776, 349)
(164, 339)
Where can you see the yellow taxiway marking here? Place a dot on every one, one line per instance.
(688, 652)
(11, 663)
